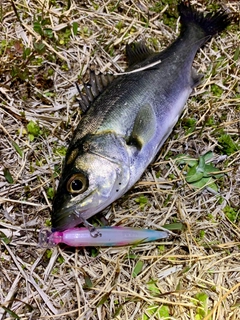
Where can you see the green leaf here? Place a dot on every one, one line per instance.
(60, 150)
(194, 174)
(118, 310)
(205, 182)
(48, 253)
(232, 214)
(202, 302)
(4, 238)
(184, 159)
(103, 299)
(236, 54)
(161, 312)
(75, 28)
(37, 27)
(202, 234)
(88, 282)
(10, 312)
(69, 3)
(48, 32)
(48, 223)
(33, 130)
(39, 47)
(177, 226)
(60, 259)
(210, 170)
(201, 165)
(17, 148)
(164, 311)
(8, 175)
(142, 201)
(31, 137)
(137, 269)
(94, 252)
(208, 156)
(18, 72)
(227, 144)
(189, 124)
(201, 175)
(26, 53)
(179, 285)
(46, 21)
(50, 193)
(202, 297)
(216, 90)
(151, 285)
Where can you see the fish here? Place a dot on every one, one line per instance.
(128, 118)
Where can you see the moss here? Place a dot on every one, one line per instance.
(232, 213)
(170, 16)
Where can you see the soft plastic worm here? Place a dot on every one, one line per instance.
(104, 236)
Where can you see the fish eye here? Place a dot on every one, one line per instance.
(77, 184)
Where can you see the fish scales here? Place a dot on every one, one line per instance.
(126, 125)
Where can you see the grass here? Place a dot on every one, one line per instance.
(45, 47)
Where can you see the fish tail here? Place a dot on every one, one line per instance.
(208, 24)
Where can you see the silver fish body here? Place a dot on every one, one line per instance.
(126, 125)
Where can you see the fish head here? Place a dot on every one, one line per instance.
(88, 184)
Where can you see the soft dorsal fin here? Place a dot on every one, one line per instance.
(137, 52)
(93, 88)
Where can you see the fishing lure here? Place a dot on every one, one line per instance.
(102, 236)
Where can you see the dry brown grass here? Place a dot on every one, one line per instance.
(36, 283)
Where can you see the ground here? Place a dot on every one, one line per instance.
(45, 48)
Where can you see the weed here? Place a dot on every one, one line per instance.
(227, 144)
(156, 312)
(202, 305)
(142, 201)
(200, 173)
(232, 214)
(33, 130)
(50, 193)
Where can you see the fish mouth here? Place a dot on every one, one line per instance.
(65, 219)
(69, 217)
(65, 216)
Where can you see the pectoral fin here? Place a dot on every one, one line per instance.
(144, 127)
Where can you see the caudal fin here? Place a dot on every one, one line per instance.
(210, 23)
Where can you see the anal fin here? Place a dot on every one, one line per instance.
(195, 78)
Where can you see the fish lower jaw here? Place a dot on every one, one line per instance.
(74, 218)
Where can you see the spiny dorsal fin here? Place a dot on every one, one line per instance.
(137, 52)
(93, 88)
